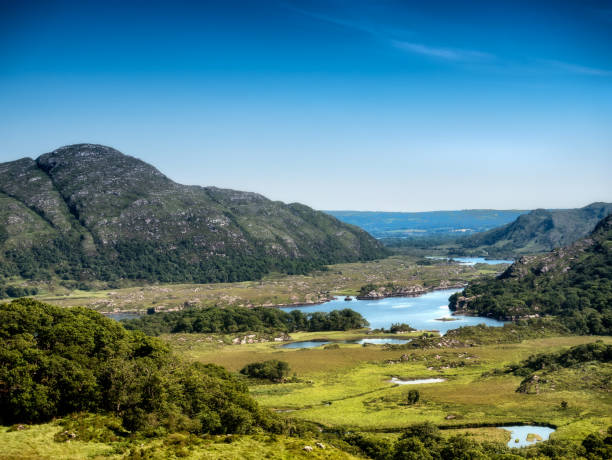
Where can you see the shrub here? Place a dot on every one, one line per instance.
(273, 370)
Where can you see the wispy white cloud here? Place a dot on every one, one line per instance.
(577, 69)
(450, 54)
(397, 38)
(389, 36)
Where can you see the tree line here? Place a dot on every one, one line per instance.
(231, 320)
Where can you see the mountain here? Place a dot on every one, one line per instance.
(88, 212)
(538, 231)
(573, 283)
(433, 223)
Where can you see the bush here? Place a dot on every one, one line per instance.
(273, 370)
(413, 397)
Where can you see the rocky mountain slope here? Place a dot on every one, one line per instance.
(538, 231)
(573, 283)
(87, 212)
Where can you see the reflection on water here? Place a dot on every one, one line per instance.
(419, 312)
(521, 434)
(473, 260)
(414, 381)
(318, 343)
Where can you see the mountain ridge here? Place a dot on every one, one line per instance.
(539, 231)
(96, 210)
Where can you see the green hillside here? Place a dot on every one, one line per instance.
(538, 231)
(573, 283)
(87, 212)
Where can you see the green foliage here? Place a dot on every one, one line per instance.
(579, 354)
(413, 397)
(538, 231)
(424, 441)
(401, 327)
(240, 319)
(573, 283)
(272, 369)
(57, 361)
(17, 291)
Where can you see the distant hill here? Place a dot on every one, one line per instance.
(573, 283)
(87, 212)
(427, 224)
(538, 231)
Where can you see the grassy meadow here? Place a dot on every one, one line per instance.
(349, 386)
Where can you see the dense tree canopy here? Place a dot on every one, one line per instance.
(240, 319)
(56, 361)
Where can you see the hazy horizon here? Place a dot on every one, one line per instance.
(380, 106)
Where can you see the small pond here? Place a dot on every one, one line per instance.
(306, 344)
(318, 343)
(414, 381)
(382, 341)
(122, 315)
(527, 435)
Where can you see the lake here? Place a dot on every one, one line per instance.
(419, 312)
(473, 260)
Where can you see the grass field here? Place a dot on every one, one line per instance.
(349, 386)
(341, 279)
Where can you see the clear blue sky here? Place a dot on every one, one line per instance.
(369, 105)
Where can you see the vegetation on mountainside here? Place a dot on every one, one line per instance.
(538, 231)
(580, 367)
(240, 319)
(579, 354)
(89, 213)
(535, 232)
(573, 283)
(57, 361)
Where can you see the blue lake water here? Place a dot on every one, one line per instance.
(119, 316)
(419, 312)
(473, 260)
(521, 432)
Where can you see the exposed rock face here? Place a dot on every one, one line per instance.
(102, 212)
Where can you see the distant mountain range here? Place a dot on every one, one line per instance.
(492, 233)
(88, 212)
(538, 231)
(433, 223)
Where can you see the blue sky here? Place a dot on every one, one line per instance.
(370, 105)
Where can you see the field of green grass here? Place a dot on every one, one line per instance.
(350, 386)
(37, 442)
